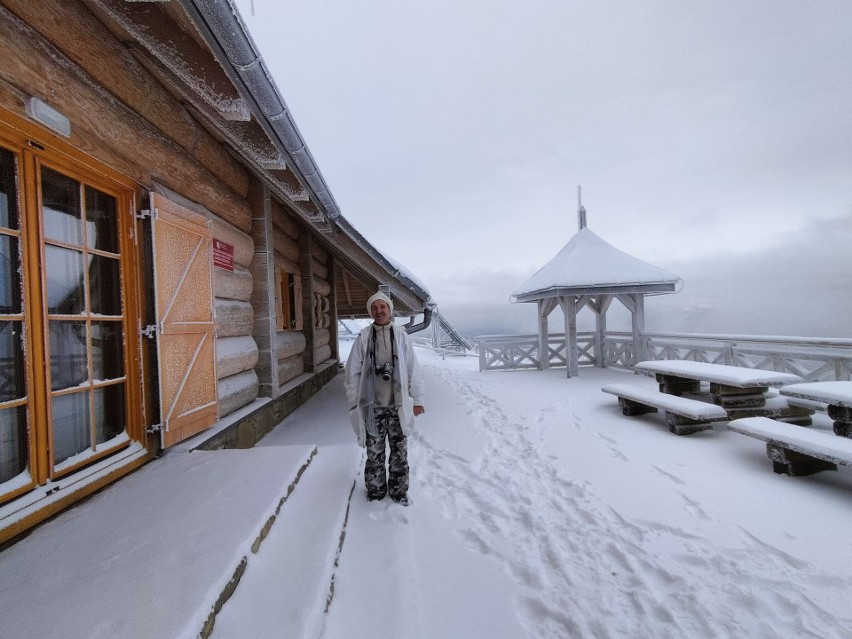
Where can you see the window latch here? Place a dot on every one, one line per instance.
(149, 331)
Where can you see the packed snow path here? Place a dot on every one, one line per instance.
(601, 535)
(585, 570)
(538, 511)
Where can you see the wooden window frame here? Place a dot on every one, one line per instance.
(34, 149)
(288, 300)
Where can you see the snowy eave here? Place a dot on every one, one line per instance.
(588, 264)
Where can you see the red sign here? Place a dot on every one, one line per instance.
(223, 255)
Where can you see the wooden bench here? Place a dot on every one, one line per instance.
(795, 450)
(684, 416)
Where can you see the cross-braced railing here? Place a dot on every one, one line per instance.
(813, 359)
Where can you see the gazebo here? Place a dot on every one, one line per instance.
(590, 272)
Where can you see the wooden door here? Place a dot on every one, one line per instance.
(185, 329)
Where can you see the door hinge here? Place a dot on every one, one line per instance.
(154, 428)
(149, 331)
(146, 213)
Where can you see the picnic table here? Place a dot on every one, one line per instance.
(742, 392)
(836, 395)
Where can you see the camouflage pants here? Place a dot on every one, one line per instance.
(395, 482)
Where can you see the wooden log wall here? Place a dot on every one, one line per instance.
(322, 302)
(59, 52)
(236, 350)
(289, 345)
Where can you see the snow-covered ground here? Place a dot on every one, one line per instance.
(538, 510)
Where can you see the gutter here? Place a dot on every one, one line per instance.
(219, 23)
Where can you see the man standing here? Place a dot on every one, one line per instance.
(385, 393)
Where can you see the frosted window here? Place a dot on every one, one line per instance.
(12, 380)
(69, 364)
(8, 191)
(13, 442)
(65, 294)
(10, 276)
(102, 223)
(61, 205)
(107, 350)
(71, 426)
(109, 412)
(104, 285)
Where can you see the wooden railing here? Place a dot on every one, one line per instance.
(813, 359)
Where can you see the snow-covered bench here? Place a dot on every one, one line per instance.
(795, 450)
(684, 416)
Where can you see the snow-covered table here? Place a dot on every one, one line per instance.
(837, 395)
(742, 392)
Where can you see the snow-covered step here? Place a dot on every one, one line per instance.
(285, 587)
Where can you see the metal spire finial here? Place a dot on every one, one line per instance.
(581, 212)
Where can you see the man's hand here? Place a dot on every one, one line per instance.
(418, 410)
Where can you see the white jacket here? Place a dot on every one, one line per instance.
(406, 375)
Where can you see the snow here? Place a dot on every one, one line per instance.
(538, 510)
(839, 393)
(587, 261)
(719, 373)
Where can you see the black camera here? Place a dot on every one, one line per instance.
(385, 371)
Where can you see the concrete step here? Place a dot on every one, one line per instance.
(288, 582)
(149, 555)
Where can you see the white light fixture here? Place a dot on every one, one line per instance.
(41, 111)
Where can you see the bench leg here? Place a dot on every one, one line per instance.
(789, 462)
(630, 408)
(843, 429)
(680, 425)
(842, 416)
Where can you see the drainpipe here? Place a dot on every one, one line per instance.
(427, 319)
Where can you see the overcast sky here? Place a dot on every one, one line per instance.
(712, 139)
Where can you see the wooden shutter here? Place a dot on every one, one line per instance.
(186, 355)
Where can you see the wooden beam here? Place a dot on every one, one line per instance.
(69, 26)
(184, 55)
(102, 126)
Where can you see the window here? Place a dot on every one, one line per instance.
(68, 350)
(289, 300)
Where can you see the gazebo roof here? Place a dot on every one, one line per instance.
(589, 265)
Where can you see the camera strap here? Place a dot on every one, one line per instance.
(373, 345)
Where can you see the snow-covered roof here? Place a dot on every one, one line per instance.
(588, 263)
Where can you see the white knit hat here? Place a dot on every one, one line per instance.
(379, 296)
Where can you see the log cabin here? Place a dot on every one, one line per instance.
(173, 262)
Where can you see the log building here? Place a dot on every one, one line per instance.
(173, 262)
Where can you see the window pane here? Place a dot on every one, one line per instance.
(65, 294)
(61, 203)
(8, 190)
(13, 442)
(69, 365)
(105, 285)
(71, 433)
(10, 275)
(107, 350)
(101, 221)
(12, 378)
(109, 412)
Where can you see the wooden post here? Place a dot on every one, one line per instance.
(306, 245)
(545, 308)
(639, 346)
(569, 308)
(263, 289)
(600, 306)
(543, 352)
